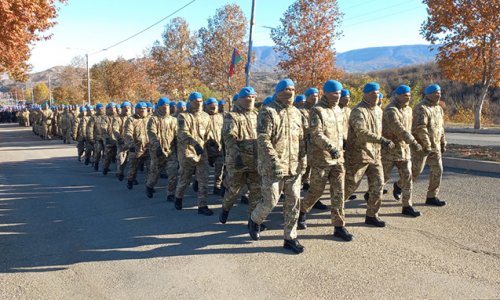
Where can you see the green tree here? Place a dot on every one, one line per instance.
(41, 92)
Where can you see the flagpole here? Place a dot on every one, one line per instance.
(249, 58)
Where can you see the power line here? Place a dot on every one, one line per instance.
(383, 16)
(145, 29)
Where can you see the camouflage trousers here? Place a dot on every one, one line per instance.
(405, 181)
(375, 175)
(89, 149)
(335, 175)
(238, 180)
(306, 178)
(271, 190)
(66, 134)
(98, 151)
(186, 169)
(419, 159)
(218, 170)
(135, 160)
(109, 154)
(45, 130)
(157, 165)
(80, 147)
(121, 160)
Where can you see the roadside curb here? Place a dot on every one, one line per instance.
(472, 130)
(471, 164)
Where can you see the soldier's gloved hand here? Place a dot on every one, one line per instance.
(334, 153)
(211, 144)
(159, 151)
(198, 149)
(443, 148)
(416, 146)
(386, 143)
(238, 162)
(131, 149)
(344, 144)
(278, 172)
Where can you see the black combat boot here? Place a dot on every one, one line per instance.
(293, 245)
(217, 190)
(375, 221)
(204, 210)
(135, 182)
(253, 229)
(410, 211)
(178, 203)
(396, 192)
(319, 205)
(341, 232)
(120, 176)
(149, 191)
(171, 198)
(105, 171)
(223, 216)
(301, 222)
(435, 201)
(87, 161)
(130, 184)
(96, 166)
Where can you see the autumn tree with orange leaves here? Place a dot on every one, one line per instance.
(469, 37)
(305, 42)
(21, 25)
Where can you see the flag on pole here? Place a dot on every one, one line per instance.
(235, 58)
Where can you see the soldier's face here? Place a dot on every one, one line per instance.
(182, 108)
(196, 104)
(142, 112)
(371, 98)
(434, 97)
(312, 99)
(101, 110)
(221, 108)
(247, 102)
(164, 109)
(299, 104)
(333, 98)
(212, 108)
(403, 99)
(344, 101)
(286, 96)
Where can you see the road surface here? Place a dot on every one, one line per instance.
(67, 232)
(473, 139)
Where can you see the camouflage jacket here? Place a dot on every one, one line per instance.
(396, 126)
(240, 139)
(46, 116)
(67, 121)
(193, 128)
(428, 125)
(135, 134)
(214, 147)
(280, 140)
(82, 128)
(365, 133)
(97, 127)
(347, 113)
(162, 132)
(326, 133)
(118, 128)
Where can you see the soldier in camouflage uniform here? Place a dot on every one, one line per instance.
(118, 129)
(81, 131)
(325, 155)
(136, 141)
(97, 133)
(162, 133)
(281, 161)
(240, 140)
(47, 117)
(428, 130)
(89, 144)
(363, 156)
(396, 126)
(109, 138)
(193, 131)
(67, 124)
(214, 142)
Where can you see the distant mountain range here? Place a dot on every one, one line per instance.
(360, 60)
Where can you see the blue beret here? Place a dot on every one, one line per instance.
(110, 105)
(311, 91)
(246, 91)
(403, 89)
(90, 107)
(99, 105)
(222, 102)
(211, 101)
(332, 86)
(370, 87)
(149, 104)
(345, 92)
(126, 104)
(173, 103)
(300, 98)
(381, 96)
(82, 109)
(432, 89)
(235, 97)
(195, 96)
(283, 84)
(163, 101)
(141, 105)
(181, 104)
(268, 100)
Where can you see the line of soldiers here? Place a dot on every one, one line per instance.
(273, 151)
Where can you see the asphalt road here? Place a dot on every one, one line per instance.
(67, 232)
(473, 139)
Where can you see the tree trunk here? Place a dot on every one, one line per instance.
(479, 107)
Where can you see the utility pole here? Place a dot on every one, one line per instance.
(50, 93)
(88, 78)
(249, 58)
(32, 95)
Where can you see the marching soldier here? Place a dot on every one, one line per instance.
(136, 141)
(119, 136)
